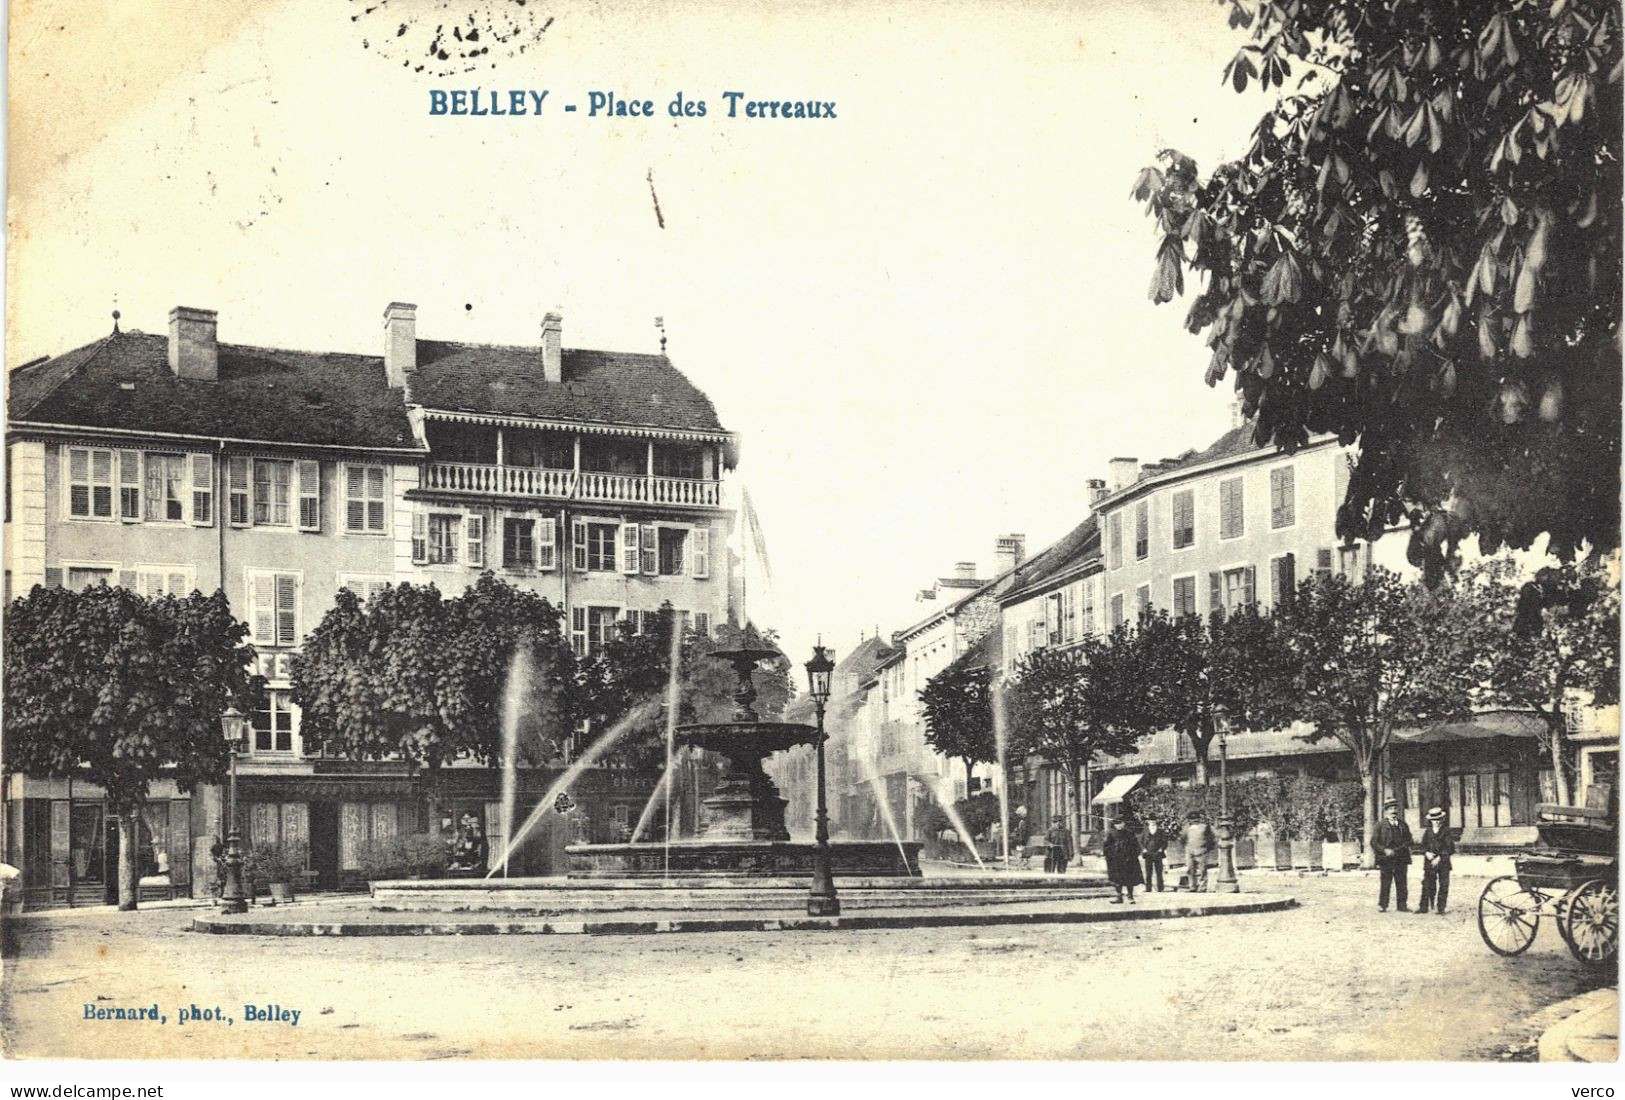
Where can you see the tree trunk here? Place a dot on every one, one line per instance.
(1200, 750)
(129, 859)
(969, 766)
(1373, 792)
(1556, 735)
(1077, 811)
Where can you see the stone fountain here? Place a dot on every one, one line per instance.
(742, 832)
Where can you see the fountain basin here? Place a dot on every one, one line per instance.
(743, 859)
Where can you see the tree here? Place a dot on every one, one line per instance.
(413, 675)
(1071, 706)
(958, 705)
(123, 691)
(1226, 673)
(1420, 252)
(1369, 657)
(1543, 643)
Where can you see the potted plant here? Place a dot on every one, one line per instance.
(284, 864)
(255, 867)
(1305, 814)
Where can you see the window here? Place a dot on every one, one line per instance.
(310, 495)
(271, 484)
(1117, 609)
(237, 491)
(1283, 579)
(518, 543)
(129, 486)
(702, 623)
(1232, 589)
(1232, 523)
(600, 546)
(90, 483)
(1142, 530)
(364, 585)
(153, 581)
(164, 491)
(1184, 596)
(1283, 504)
(81, 577)
(600, 628)
(1184, 509)
(364, 499)
(1142, 599)
(1069, 614)
(476, 541)
(1351, 562)
(1114, 541)
(273, 607)
(443, 532)
(273, 723)
(203, 490)
(672, 542)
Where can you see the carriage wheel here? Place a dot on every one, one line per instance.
(1591, 924)
(1508, 916)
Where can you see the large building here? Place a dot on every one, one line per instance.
(168, 463)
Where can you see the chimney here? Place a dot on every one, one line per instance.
(193, 351)
(1123, 471)
(1237, 416)
(1009, 551)
(965, 570)
(400, 342)
(1097, 490)
(552, 346)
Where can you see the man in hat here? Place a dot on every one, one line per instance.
(1199, 841)
(1057, 847)
(1153, 850)
(1392, 844)
(1437, 847)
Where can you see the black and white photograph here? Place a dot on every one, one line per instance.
(1043, 533)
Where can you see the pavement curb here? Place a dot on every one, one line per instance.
(218, 926)
(1588, 1030)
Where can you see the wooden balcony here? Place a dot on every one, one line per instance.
(537, 483)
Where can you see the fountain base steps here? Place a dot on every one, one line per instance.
(337, 921)
(742, 858)
(554, 896)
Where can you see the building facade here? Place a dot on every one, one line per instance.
(172, 463)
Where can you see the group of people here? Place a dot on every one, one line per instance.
(1136, 858)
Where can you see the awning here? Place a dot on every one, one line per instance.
(1119, 786)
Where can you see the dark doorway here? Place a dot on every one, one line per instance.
(324, 844)
(110, 861)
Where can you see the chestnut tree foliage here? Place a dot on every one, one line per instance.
(1420, 252)
(958, 707)
(121, 690)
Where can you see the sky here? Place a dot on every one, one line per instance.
(926, 318)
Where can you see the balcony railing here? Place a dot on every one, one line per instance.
(536, 483)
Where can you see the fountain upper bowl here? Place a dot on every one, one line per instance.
(736, 739)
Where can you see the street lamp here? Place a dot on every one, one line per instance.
(1226, 831)
(234, 727)
(821, 901)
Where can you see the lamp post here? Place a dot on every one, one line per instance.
(1226, 831)
(232, 900)
(821, 901)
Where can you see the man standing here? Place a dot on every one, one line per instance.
(1153, 850)
(1437, 847)
(1392, 844)
(1199, 841)
(1058, 847)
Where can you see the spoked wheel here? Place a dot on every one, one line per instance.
(1508, 916)
(1591, 924)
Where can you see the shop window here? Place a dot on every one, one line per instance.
(87, 844)
(154, 846)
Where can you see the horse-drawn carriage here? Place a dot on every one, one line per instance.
(1571, 876)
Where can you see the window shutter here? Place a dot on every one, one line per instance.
(651, 552)
(578, 630)
(1323, 562)
(546, 542)
(1252, 585)
(420, 538)
(578, 546)
(375, 499)
(237, 491)
(1215, 592)
(310, 495)
(355, 502)
(262, 608)
(53, 578)
(629, 547)
(127, 580)
(129, 480)
(287, 609)
(101, 488)
(702, 623)
(702, 552)
(476, 541)
(202, 490)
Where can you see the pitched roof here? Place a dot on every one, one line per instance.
(607, 387)
(1076, 546)
(123, 382)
